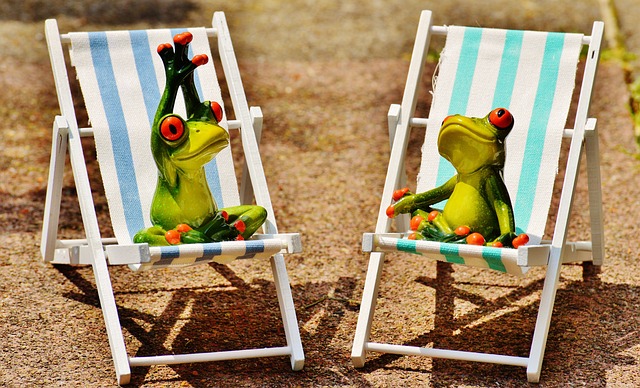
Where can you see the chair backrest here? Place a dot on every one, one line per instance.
(530, 73)
(122, 78)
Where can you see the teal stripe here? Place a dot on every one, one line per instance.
(507, 75)
(461, 88)
(404, 245)
(465, 71)
(538, 127)
(508, 69)
(493, 257)
(451, 253)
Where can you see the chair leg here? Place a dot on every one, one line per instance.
(54, 188)
(246, 187)
(393, 117)
(543, 321)
(367, 308)
(287, 309)
(111, 319)
(99, 264)
(595, 191)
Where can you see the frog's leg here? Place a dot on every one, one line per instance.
(431, 225)
(499, 198)
(235, 222)
(251, 216)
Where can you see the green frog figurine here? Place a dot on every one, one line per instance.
(183, 209)
(478, 209)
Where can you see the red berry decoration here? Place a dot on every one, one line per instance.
(415, 222)
(462, 230)
(475, 239)
(398, 194)
(172, 236)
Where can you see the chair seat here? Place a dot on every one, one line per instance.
(509, 260)
(143, 257)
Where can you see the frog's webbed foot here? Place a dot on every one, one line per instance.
(247, 219)
(232, 223)
(431, 225)
(177, 65)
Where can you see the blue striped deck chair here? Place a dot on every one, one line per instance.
(121, 79)
(532, 74)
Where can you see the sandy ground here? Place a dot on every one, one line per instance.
(324, 74)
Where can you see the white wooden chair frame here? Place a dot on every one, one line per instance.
(552, 253)
(98, 251)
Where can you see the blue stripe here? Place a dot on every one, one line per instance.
(210, 251)
(118, 131)
(537, 128)
(493, 257)
(451, 253)
(169, 252)
(146, 73)
(461, 89)
(254, 246)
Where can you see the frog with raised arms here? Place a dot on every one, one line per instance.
(478, 209)
(183, 209)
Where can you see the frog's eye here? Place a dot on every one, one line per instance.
(217, 110)
(501, 118)
(172, 128)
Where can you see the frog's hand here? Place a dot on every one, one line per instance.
(499, 198)
(413, 202)
(176, 63)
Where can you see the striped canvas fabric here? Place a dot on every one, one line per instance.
(122, 78)
(530, 73)
(499, 259)
(223, 253)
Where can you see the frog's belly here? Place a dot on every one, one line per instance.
(467, 206)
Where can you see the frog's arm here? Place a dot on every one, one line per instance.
(179, 71)
(498, 197)
(413, 202)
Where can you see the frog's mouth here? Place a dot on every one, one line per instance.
(203, 145)
(468, 146)
(457, 126)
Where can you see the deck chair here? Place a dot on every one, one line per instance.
(532, 74)
(122, 78)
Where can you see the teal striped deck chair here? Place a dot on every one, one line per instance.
(532, 74)
(122, 78)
